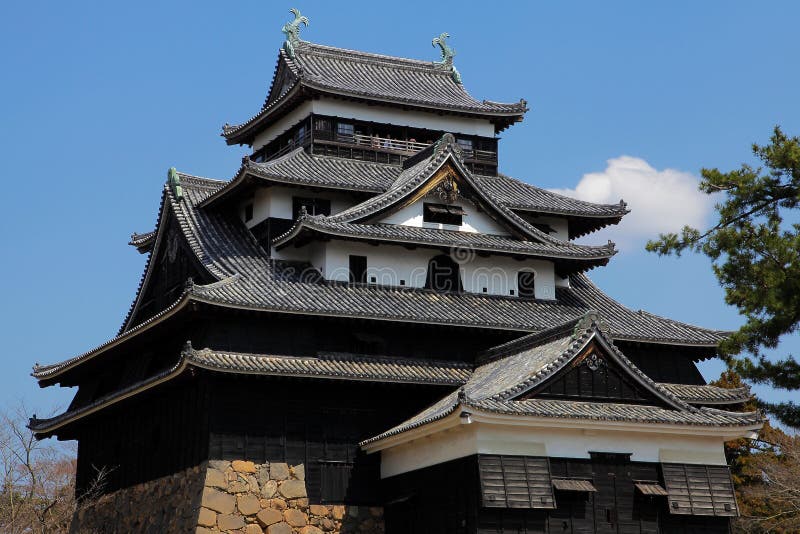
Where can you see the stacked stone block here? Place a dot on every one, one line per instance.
(246, 498)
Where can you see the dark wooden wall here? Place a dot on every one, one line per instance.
(607, 382)
(318, 423)
(164, 432)
(309, 335)
(444, 499)
(664, 363)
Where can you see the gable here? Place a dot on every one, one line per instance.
(281, 82)
(171, 264)
(595, 376)
(447, 188)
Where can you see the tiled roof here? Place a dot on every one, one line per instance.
(249, 279)
(705, 394)
(445, 152)
(143, 242)
(601, 411)
(519, 195)
(298, 167)
(326, 366)
(581, 410)
(521, 365)
(433, 237)
(336, 365)
(376, 78)
(301, 168)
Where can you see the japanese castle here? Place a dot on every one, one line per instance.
(369, 328)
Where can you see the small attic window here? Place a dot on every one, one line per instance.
(248, 212)
(443, 214)
(314, 206)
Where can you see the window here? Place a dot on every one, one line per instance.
(443, 274)
(442, 214)
(345, 130)
(526, 284)
(248, 212)
(358, 269)
(465, 144)
(323, 125)
(314, 206)
(300, 136)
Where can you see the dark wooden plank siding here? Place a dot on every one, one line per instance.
(317, 423)
(666, 363)
(166, 431)
(606, 382)
(423, 500)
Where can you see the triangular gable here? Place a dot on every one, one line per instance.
(170, 246)
(283, 79)
(583, 365)
(599, 372)
(594, 375)
(439, 174)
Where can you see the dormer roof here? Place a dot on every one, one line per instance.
(499, 387)
(374, 78)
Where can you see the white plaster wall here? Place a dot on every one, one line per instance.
(559, 224)
(474, 221)
(389, 264)
(417, 119)
(276, 201)
(478, 438)
(281, 125)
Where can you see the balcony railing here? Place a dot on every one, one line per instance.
(396, 145)
(401, 148)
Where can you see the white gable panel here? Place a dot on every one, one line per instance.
(474, 221)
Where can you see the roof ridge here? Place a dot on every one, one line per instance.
(317, 48)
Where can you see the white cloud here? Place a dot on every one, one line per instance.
(660, 201)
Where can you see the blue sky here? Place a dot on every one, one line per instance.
(98, 99)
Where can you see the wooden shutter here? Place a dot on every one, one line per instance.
(699, 490)
(515, 482)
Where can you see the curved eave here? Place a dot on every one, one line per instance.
(374, 371)
(47, 375)
(706, 395)
(245, 133)
(250, 173)
(44, 428)
(302, 230)
(143, 242)
(492, 413)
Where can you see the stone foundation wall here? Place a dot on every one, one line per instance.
(247, 498)
(232, 497)
(167, 504)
